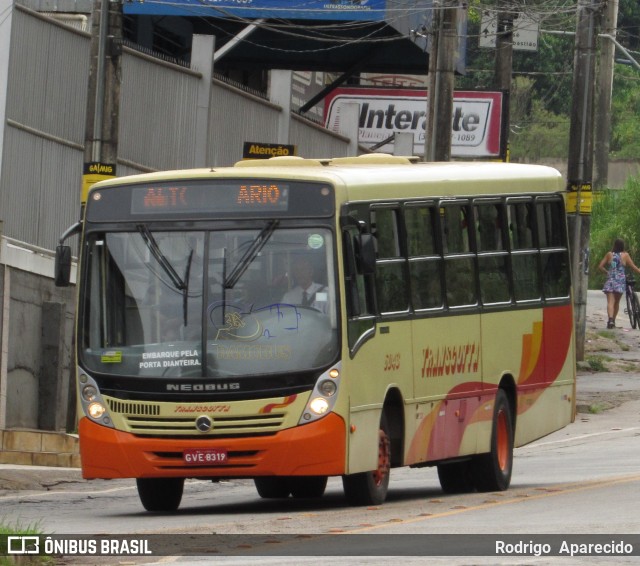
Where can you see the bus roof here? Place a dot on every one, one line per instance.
(370, 176)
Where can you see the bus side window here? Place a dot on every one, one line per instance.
(460, 270)
(554, 253)
(425, 263)
(391, 284)
(492, 253)
(524, 255)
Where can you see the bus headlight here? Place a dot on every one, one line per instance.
(89, 393)
(319, 405)
(96, 410)
(93, 405)
(324, 395)
(328, 388)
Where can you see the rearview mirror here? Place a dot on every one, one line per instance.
(366, 255)
(62, 269)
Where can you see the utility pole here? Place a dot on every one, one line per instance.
(503, 71)
(580, 164)
(604, 88)
(103, 101)
(442, 59)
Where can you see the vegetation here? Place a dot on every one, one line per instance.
(24, 560)
(541, 95)
(597, 363)
(615, 215)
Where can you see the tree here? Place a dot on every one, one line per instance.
(625, 113)
(536, 132)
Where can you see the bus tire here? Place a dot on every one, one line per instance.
(492, 471)
(370, 488)
(308, 486)
(160, 494)
(273, 487)
(455, 477)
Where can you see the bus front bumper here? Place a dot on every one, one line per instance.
(316, 449)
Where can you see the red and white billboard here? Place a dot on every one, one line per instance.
(476, 121)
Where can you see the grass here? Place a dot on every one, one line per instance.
(22, 560)
(597, 363)
(596, 408)
(610, 334)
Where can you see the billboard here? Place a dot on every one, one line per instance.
(476, 120)
(359, 10)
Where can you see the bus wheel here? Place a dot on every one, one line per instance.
(492, 471)
(308, 487)
(272, 487)
(160, 494)
(370, 488)
(456, 477)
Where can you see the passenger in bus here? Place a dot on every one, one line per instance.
(306, 292)
(617, 260)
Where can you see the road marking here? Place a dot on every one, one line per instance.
(581, 437)
(558, 490)
(40, 494)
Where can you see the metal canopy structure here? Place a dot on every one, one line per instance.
(310, 35)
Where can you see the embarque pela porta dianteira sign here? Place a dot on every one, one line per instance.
(257, 150)
(92, 172)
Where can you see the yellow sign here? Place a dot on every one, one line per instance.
(585, 196)
(255, 150)
(92, 173)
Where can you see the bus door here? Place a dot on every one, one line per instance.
(378, 328)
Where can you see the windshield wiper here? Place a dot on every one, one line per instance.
(252, 251)
(185, 294)
(155, 250)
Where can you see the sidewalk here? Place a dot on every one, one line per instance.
(609, 375)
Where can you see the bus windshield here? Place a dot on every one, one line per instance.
(212, 304)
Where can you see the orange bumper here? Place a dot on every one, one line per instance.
(317, 449)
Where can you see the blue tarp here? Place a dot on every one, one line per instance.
(359, 10)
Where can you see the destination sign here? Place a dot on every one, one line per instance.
(199, 199)
(227, 198)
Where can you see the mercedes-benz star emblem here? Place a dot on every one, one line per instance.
(203, 423)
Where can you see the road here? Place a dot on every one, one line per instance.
(582, 480)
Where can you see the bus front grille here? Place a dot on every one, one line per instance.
(220, 425)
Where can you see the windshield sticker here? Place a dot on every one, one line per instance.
(315, 241)
(170, 359)
(245, 323)
(111, 357)
(253, 352)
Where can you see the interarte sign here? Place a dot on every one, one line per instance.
(476, 120)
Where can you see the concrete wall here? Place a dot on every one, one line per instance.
(619, 170)
(36, 324)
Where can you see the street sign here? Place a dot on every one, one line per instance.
(258, 150)
(525, 31)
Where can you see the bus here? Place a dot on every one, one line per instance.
(437, 331)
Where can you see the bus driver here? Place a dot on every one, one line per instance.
(306, 293)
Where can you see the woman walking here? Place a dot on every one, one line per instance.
(617, 260)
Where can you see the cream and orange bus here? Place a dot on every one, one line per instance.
(436, 328)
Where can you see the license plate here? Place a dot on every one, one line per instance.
(205, 456)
